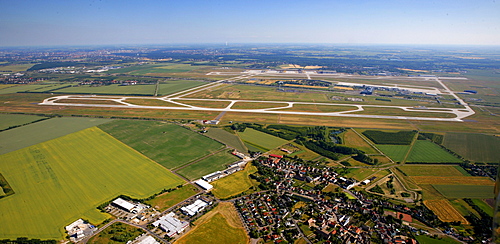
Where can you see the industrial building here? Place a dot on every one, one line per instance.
(194, 208)
(170, 224)
(127, 206)
(203, 184)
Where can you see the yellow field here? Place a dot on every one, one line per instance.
(445, 211)
(351, 139)
(452, 180)
(234, 184)
(221, 225)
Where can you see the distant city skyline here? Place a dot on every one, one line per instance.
(103, 22)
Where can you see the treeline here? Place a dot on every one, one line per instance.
(436, 138)
(392, 138)
(482, 225)
(25, 240)
(7, 189)
(49, 65)
(142, 200)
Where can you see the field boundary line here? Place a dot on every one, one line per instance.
(372, 145)
(413, 142)
(199, 159)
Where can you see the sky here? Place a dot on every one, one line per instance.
(108, 22)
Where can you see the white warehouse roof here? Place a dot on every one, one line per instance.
(124, 204)
(205, 185)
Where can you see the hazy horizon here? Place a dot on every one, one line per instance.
(390, 22)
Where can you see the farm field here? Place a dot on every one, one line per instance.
(117, 231)
(484, 206)
(432, 170)
(220, 225)
(169, 199)
(213, 163)
(21, 137)
(234, 184)
(466, 191)
(23, 88)
(110, 89)
(227, 138)
(165, 143)
(15, 68)
(396, 152)
(360, 173)
(390, 138)
(428, 152)
(444, 210)
(351, 139)
(41, 174)
(423, 239)
(453, 180)
(9, 120)
(261, 139)
(474, 147)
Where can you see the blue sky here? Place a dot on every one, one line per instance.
(102, 22)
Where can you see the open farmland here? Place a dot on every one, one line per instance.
(21, 137)
(351, 139)
(261, 139)
(428, 152)
(474, 147)
(227, 138)
(391, 138)
(54, 188)
(234, 184)
(360, 174)
(168, 144)
(220, 225)
(445, 211)
(169, 199)
(466, 191)
(208, 165)
(24, 88)
(396, 152)
(12, 120)
(432, 170)
(453, 180)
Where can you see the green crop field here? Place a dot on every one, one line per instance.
(433, 170)
(396, 152)
(423, 239)
(428, 152)
(23, 88)
(465, 191)
(168, 144)
(392, 138)
(360, 173)
(261, 139)
(216, 162)
(227, 138)
(173, 86)
(234, 184)
(110, 89)
(21, 137)
(474, 147)
(169, 199)
(484, 206)
(9, 120)
(61, 180)
(215, 230)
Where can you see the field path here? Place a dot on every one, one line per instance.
(198, 159)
